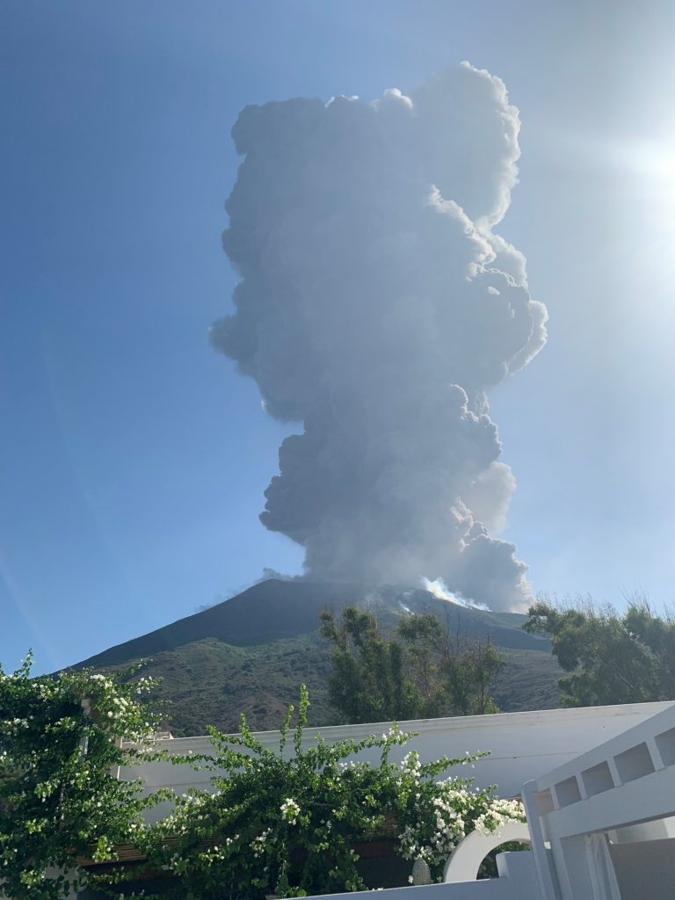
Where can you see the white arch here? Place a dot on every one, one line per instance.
(465, 860)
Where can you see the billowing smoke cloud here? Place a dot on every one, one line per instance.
(377, 306)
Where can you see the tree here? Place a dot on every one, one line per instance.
(367, 683)
(417, 672)
(471, 674)
(613, 658)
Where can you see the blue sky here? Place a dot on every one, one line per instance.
(134, 459)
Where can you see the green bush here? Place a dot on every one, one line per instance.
(60, 743)
(288, 823)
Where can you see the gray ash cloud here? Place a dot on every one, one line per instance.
(377, 306)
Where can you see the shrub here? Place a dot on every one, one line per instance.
(288, 823)
(60, 743)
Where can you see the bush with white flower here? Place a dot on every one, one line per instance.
(59, 739)
(437, 815)
(290, 824)
(288, 821)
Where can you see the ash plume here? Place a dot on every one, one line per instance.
(377, 306)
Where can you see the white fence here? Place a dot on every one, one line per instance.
(605, 813)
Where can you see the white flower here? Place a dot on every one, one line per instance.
(258, 842)
(290, 810)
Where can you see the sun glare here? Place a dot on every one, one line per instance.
(654, 160)
(648, 167)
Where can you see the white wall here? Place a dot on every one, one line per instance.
(523, 745)
(488, 889)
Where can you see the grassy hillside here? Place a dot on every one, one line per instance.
(250, 654)
(210, 682)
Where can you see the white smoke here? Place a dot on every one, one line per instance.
(439, 589)
(377, 306)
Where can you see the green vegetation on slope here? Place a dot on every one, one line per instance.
(417, 670)
(250, 653)
(210, 682)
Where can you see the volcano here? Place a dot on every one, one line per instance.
(251, 652)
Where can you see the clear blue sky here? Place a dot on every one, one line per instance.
(133, 459)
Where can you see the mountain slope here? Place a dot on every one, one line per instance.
(250, 653)
(276, 609)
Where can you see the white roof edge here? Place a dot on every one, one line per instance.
(454, 723)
